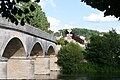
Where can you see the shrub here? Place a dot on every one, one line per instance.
(69, 55)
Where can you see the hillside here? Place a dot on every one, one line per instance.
(79, 31)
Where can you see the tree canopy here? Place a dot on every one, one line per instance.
(104, 50)
(8, 9)
(80, 32)
(39, 19)
(110, 7)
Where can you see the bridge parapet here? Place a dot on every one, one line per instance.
(27, 29)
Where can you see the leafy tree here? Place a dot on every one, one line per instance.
(69, 55)
(39, 19)
(62, 41)
(104, 50)
(8, 9)
(85, 32)
(81, 32)
(110, 7)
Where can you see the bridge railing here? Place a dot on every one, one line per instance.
(27, 29)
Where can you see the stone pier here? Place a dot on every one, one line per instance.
(53, 63)
(42, 65)
(20, 68)
(3, 68)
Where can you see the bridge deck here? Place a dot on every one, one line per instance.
(27, 29)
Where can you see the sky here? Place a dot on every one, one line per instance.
(67, 14)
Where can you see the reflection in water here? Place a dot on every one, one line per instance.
(52, 75)
(90, 77)
(57, 76)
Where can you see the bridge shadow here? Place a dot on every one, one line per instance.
(37, 50)
(14, 49)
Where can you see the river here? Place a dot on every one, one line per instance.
(89, 77)
(57, 76)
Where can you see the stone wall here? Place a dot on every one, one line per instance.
(20, 68)
(3, 69)
(53, 63)
(42, 65)
(29, 68)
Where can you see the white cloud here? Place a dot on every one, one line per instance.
(53, 21)
(117, 29)
(99, 18)
(45, 3)
(68, 26)
(56, 25)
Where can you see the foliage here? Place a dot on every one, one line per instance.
(8, 9)
(102, 54)
(108, 69)
(81, 32)
(110, 7)
(104, 50)
(85, 32)
(39, 19)
(62, 41)
(69, 55)
(86, 68)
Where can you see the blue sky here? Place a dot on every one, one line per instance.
(64, 14)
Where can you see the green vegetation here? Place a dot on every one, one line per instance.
(102, 54)
(85, 32)
(25, 11)
(104, 51)
(81, 32)
(8, 9)
(69, 56)
(38, 20)
(62, 41)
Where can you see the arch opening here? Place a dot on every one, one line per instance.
(50, 51)
(37, 50)
(14, 48)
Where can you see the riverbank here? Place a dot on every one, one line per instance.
(84, 68)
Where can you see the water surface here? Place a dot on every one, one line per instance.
(58, 76)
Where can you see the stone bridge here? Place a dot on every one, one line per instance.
(25, 51)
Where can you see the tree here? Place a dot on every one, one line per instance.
(110, 7)
(39, 19)
(104, 50)
(8, 9)
(80, 32)
(69, 55)
(62, 41)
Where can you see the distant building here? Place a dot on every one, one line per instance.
(70, 36)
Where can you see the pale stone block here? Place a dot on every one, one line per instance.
(20, 68)
(3, 69)
(42, 77)
(42, 65)
(54, 74)
(53, 64)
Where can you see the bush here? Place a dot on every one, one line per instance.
(86, 68)
(69, 55)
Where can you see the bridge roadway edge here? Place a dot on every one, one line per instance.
(27, 29)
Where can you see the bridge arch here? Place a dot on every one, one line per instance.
(50, 50)
(37, 49)
(14, 48)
